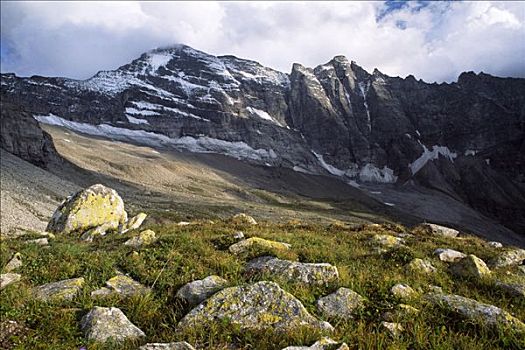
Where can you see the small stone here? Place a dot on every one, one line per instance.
(323, 344)
(61, 290)
(146, 237)
(257, 243)
(496, 245)
(291, 271)
(239, 235)
(122, 285)
(197, 291)
(135, 222)
(508, 258)
(435, 289)
(102, 324)
(12, 334)
(421, 266)
(514, 289)
(39, 241)
(395, 329)
(242, 218)
(403, 292)
(342, 304)
(98, 231)
(167, 346)
(449, 255)
(471, 266)
(8, 278)
(14, 263)
(439, 230)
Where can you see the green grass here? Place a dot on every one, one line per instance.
(183, 254)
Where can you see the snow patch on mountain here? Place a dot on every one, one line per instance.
(428, 155)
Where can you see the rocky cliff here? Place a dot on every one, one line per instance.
(465, 139)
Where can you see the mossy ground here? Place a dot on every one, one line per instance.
(183, 254)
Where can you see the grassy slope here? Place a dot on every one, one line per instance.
(183, 254)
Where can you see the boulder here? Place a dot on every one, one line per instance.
(182, 345)
(14, 263)
(243, 219)
(95, 206)
(476, 311)
(257, 243)
(61, 290)
(421, 266)
(439, 230)
(292, 271)
(342, 304)
(471, 266)
(393, 328)
(403, 292)
(145, 237)
(8, 278)
(508, 258)
(449, 255)
(109, 323)
(259, 306)
(134, 223)
(323, 344)
(197, 291)
(122, 285)
(514, 289)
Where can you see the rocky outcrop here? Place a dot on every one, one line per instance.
(61, 290)
(102, 324)
(197, 291)
(259, 306)
(508, 258)
(342, 304)
(292, 271)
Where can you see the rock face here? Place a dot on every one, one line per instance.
(122, 285)
(471, 266)
(439, 230)
(257, 243)
(167, 346)
(145, 237)
(478, 312)
(260, 306)
(197, 291)
(95, 207)
(8, 278)
(102, 324)
(323, 344)
(449, 255)
(509, 258)
(342, 304)
(61, 290)
(307, 273)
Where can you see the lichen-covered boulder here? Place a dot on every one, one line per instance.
(342, 304)
(257, 243)
(259, 306)
(403, 292)
(243, 219)
(61, 290)
(14, 263)
(122, 285)
(323, 344)
(439, 230)
(197, 291)
(292, 271)
(145, 237)
(449, 255)
(109, 323)
(8, 278)
(471, 266)
(421, 266)
(182, 345)
(134, 223)
(87, 209)
(508, 258)
(476, 311)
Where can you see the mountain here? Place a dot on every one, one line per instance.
(464, 140)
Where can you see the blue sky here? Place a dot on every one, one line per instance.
(434, 41)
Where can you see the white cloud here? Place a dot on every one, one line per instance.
(434, 42)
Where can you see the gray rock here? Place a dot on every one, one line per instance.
(323, 344)
(421, 266)
(508, 258)
(14, 263)
(102, 324)
(515, 289)
(403, 292)
(439, 230)
(257, 243)
(8, 278)
(197, 291)
(260, 306)
(61, 290)
(122, 285)
(449, 255)
(39, 241)
(476, 311)
(495, 244)
(134, 223)
(471, 267)
(308, 273)
(167, 346)
(342, 304)
(395, 329)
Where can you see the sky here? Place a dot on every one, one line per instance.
(434, 41)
